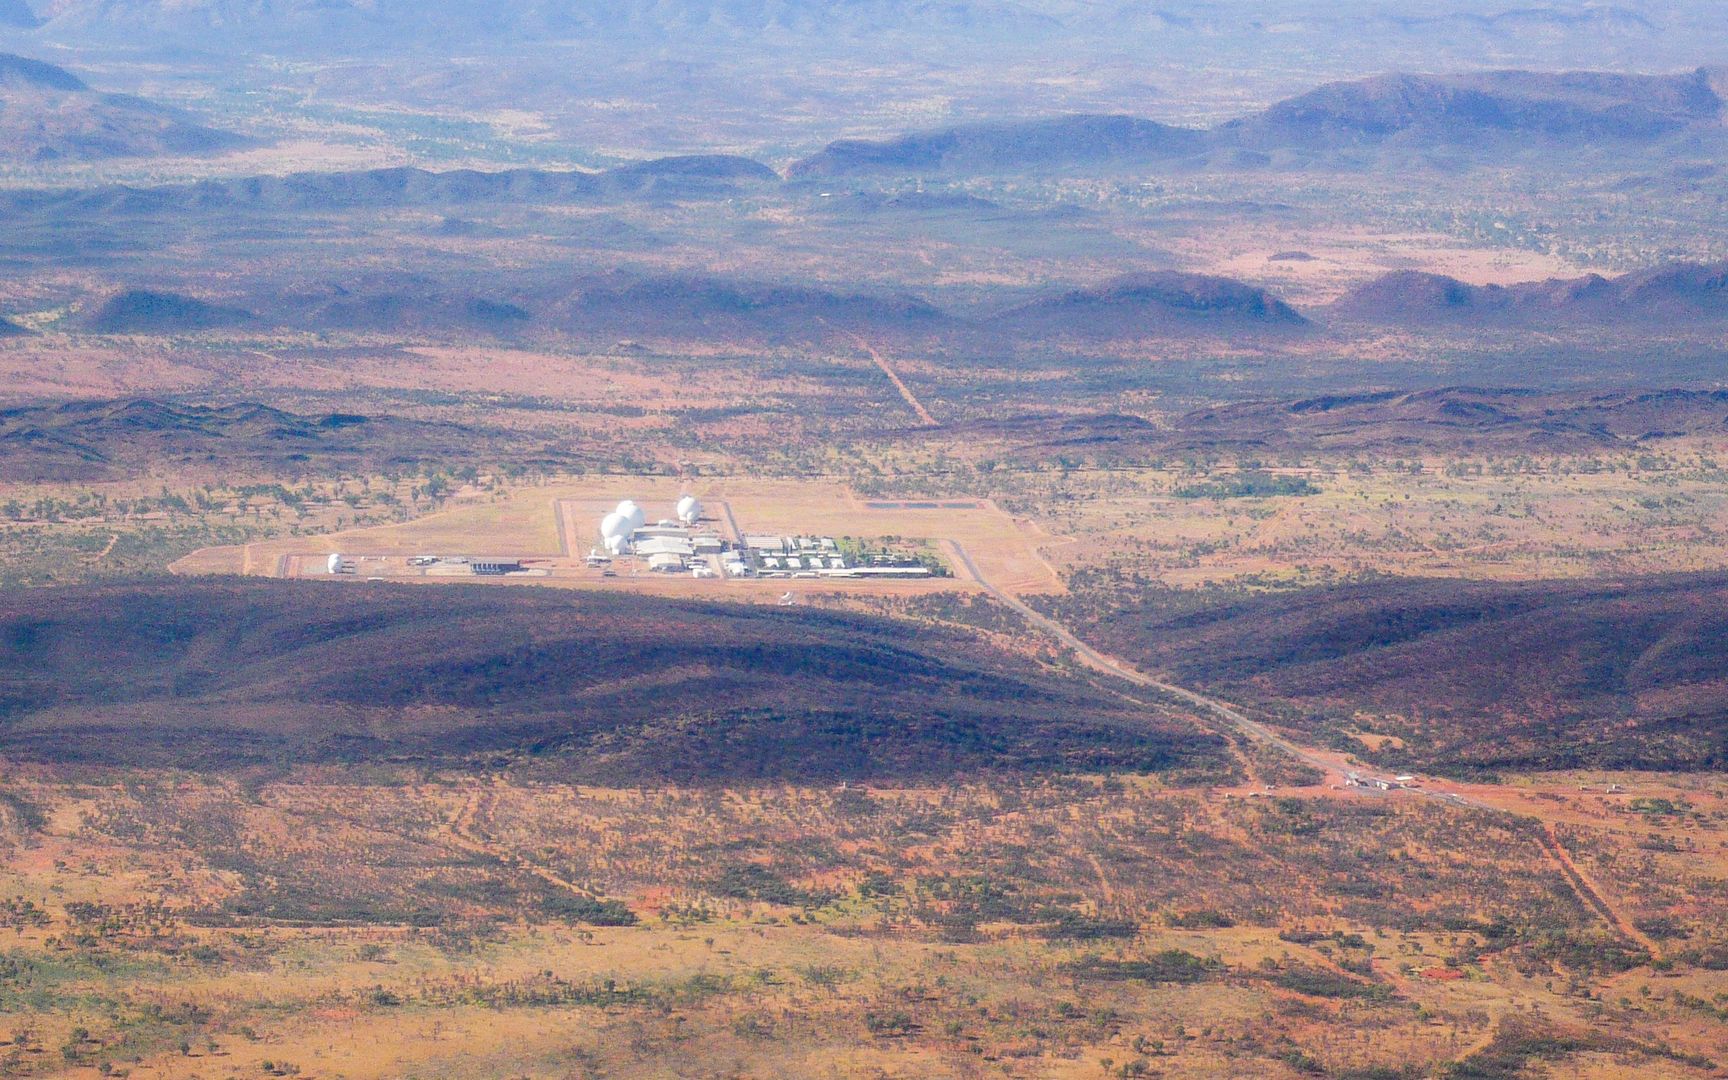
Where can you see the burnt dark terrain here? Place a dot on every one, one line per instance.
(1444, 420)
(89, 441)
(620, 688)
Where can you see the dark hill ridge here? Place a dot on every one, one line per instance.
(336, 192)
(398, 304)
(698, 306)
(600, 308)
(691, 307)
(1449, 420)
(9, 329)
(204, 674)
(1024, 146)
(1496, 112)
(23, 73)
(87, 441)
(1688, 291)
(1155, 304)
(145, 311)
(49, 114)
(1456, 419)
(1625, 673)
(1580, 107)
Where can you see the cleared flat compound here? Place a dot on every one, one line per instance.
(779, 535)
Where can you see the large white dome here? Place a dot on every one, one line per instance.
(689, 510)
(614, 524)
(629, 511)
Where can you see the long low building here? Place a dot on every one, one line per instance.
(664, 545)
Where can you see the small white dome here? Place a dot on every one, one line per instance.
(689, 510)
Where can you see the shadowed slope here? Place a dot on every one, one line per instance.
(49, 114)
(587, 685)
(1156, 304)
(1542, 674)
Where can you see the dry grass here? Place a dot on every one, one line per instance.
(883, 967)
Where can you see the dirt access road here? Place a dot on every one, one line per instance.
(1588, 893)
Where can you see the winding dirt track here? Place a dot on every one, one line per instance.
(1234, 718)
(464, 832)
(1591, 896)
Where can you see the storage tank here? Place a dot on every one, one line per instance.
(689, 510)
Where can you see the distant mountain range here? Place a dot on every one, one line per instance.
(333, 24)
(607, 307)
(1675, 291)
(49, 114)
(1571, 107)
(1490, 112)
(332, 192)
(346, 24)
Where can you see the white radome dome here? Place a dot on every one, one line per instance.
(615, 545)
(614, 524)
(689, 510)
(632, 513)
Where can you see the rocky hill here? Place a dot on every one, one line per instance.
(1687, 291)
(1155, 304)
(1030, 146)
(1575, 108)
(1488, 114)
(146, 311)
(709, 307)
(48, 114)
